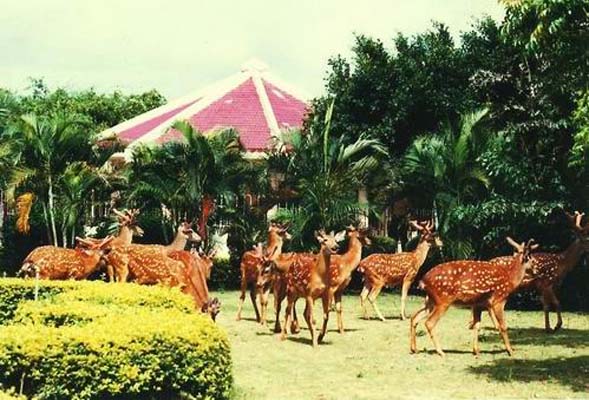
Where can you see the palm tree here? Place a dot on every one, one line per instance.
(189, 177)
(442, 170)
(326, 172)
(43, 147)
(76, 185)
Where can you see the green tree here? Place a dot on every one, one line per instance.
(192, 177)
(45, 146)
(443, 170)
(326, 173)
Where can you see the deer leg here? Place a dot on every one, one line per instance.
(476, 323)
(372, 299)
(241, 298)
(363, 298)
(416, 319)
(110, 273)
(326, 302)
(431, 322)
(278, 298)
(404, 291)
(264, 304)
(294, 326)
(287, 317)
(254, 298)
(546, 306)
(338, 308)
(309, 320)
(556, 304)
(500, 315)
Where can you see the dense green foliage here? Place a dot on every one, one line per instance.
(529, 72)
(94, 341)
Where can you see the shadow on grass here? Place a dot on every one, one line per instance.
(571, 338)
(568, 371)
(306, 340)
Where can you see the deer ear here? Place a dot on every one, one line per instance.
(340, 236)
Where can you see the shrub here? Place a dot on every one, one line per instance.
(224, 275)
(91, 340)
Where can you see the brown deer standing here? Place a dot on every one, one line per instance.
(58, 263)
(476, 284)
(273, 276)
(341, 268)
(547, 270)
(391, 270)
(308, 277)
(251, 264)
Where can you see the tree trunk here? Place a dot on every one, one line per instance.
(51, 210)
(47, 227)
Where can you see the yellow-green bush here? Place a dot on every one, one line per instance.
(91, 340)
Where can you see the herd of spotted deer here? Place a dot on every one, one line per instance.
(479, 285)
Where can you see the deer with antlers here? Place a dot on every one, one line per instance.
(380, 270)
(58, 263)
(135, 259)
(548, 270)
(476, 284)
(308, 278)
(251, 265)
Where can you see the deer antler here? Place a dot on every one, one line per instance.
(415, 225)
(519, 247)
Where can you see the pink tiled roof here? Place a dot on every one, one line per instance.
(240, 109)
(136, 131)
(252, 102)
(288, 110)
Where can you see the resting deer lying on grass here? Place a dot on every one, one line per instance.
(58, 263)
(308, 277)
(476, 284)
(134, 259)
(391, 270)
(251, 265)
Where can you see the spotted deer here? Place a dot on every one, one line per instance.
(390, 270)
(308, 278)
(547, 270)
(341, 268)
(136, 260)
(193, 280)
(251, 264)
(58, 263)
(476, 284)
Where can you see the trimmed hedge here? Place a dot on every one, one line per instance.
(92, 340)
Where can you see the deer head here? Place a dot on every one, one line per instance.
(279, 229)
(360, 234)
(523, 249)
(212, 307)
(329, 241)
(128, 219)
(185, 229)
(426, 231)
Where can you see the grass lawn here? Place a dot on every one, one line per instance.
(372, 361)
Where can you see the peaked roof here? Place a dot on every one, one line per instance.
(253, 101)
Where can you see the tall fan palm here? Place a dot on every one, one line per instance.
(326, 172)
(443, 170)
(44, 147)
